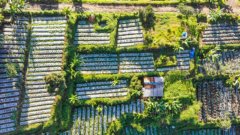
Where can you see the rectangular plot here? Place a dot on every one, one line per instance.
(136, 62)
(221, 34)
(102, 89)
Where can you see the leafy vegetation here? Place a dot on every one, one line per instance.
(164, 60)
(147, 17)
(12, 69)
(186, 10)
(178, 107)
(218, 16)
(135, 87)
(1, 16)
(55, 82)
(16, 6)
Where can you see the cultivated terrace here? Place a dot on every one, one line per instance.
(162, 67)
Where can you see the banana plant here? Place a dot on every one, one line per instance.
(76, 62)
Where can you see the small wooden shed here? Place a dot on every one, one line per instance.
(153, 87)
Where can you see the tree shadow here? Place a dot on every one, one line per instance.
(78, 5)
(46, 4)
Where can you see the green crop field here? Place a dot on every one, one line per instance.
(71, 72)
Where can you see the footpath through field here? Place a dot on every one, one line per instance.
(117, 8)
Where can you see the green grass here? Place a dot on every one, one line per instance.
(167, 30)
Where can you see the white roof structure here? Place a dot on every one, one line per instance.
(153, 87)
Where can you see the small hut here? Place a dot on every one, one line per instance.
(153, 87)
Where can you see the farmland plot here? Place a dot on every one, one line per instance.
(45, 57)
(136, 62)
(225, 101)
(129, 33)
(99, 64)
(217, 131)
(93, 121)
(86, 34)
(152, 130)
(114, 63)
(12, 45)
(222, 34)
(227, 62)
(183, 62)
(102, 89)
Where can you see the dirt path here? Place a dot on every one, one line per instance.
(234, 5)
(113, 8)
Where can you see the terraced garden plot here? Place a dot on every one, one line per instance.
(152, 130)
(102, 89)
(93, 121)
(183, 62)
(136, 62)
(227, 62)
(129, 33)
(47, 43)
(86, 35)
(12, 45)
(217, 131)
(225, 100)
(99, 64)
(222, 34)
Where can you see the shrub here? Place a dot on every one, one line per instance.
(201, 17)
(187, 11)
(12, 69)
(1, 16)
(135, 87)
(155, 109)
(217, 16)
(148, 39)
(3, 3)
(164, 60)
(55, 82)
(85, 49)
(225, 123)
(16, 6)
(105, 23)
(147, 17)
(67, 11)
(76, 62)
(115, 128)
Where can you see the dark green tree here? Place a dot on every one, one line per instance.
(187, 11)
(16, 6)
(55, 82)
(147, 17)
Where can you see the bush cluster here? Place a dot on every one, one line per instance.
(219, 16)
(55, 82)
(12, 69)
(164, 60)
(147, 17)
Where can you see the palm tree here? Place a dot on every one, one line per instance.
(76, 62)
(73, 99)
(178, 48)
(115, 81)
(215, 15)
(214, 56)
